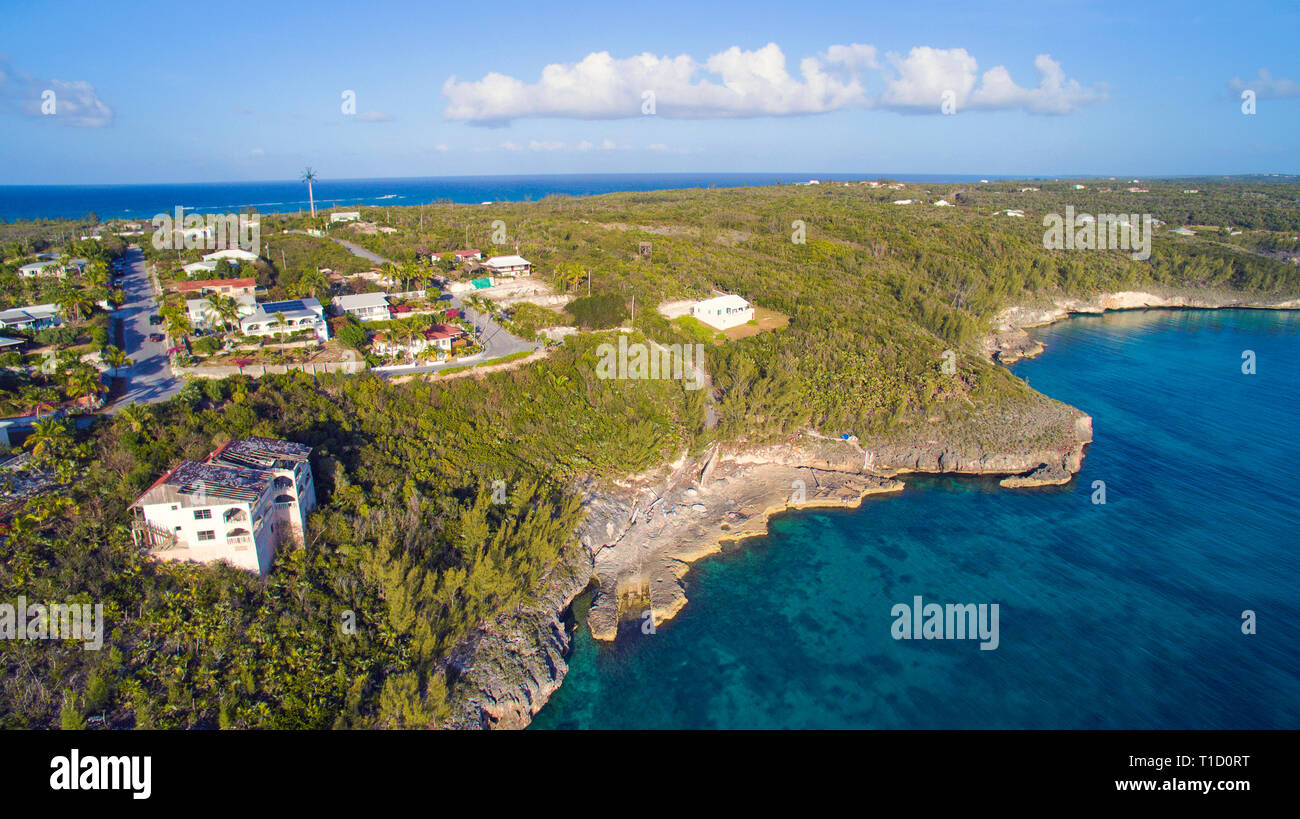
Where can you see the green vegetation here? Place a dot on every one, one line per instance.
(525, 319)
(407, 540)
(598, 312)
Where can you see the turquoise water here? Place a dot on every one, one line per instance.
(1118, 615)
(289, 196)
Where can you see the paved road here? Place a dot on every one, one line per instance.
(149, 378)
(496, 340)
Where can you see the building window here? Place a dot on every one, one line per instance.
(207, 534)
(202, 514)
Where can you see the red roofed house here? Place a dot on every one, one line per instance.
(437, 337)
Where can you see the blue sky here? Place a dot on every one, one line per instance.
(174, 93)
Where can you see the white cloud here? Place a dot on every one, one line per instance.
(75, 103)
(1267, 87)
(257, 152)
(374, 116)
(740, 83)
(733, 83)
(1054, 94)
(534, 145)
(440, 147)
(605, 145)
(926, 74)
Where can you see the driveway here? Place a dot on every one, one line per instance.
(149, 378)
(496, 340)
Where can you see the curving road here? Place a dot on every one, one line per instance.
(496, 340)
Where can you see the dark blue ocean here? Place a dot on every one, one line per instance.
(1126, 614)
(143, 201)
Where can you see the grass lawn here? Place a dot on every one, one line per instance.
(764, 319)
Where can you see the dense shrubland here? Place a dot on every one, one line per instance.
(408, 540)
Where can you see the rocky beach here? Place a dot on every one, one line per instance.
(642, 533)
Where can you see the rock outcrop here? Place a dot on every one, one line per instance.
(1009, 342)
(504, 672)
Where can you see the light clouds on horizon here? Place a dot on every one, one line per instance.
(737, 83)
(1266, 86)
(75, 103)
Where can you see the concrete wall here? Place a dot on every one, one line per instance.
(256, 370)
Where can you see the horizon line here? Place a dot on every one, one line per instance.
(810, 174)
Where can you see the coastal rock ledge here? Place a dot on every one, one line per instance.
(642, 533)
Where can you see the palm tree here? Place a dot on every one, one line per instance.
(570, 274)
(176, 322)
(83, 383)
(75, 305)
(115, 358)
(137, 416)
(97, 273)
(307, 176)
(392, 272)
(40, 398)
(410, 272)
(222, 309)
(404, 334)
(311, 283)
(48, 436)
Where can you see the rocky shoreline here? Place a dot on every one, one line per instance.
(1009, 342)
(642, 534)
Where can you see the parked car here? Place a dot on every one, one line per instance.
(155, 320)
(156, 336)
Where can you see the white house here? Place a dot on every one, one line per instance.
(723, 312)
(32, 317)
(238, 505)
(509, 265)
(298, 314)
(943, 203)
(904, 201)
(202, 315)
(1014, 212)
(200, 268)
(345, 216)
(364, 306)
(40, 269)
(234, 254)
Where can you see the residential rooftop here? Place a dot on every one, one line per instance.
(236, 472)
